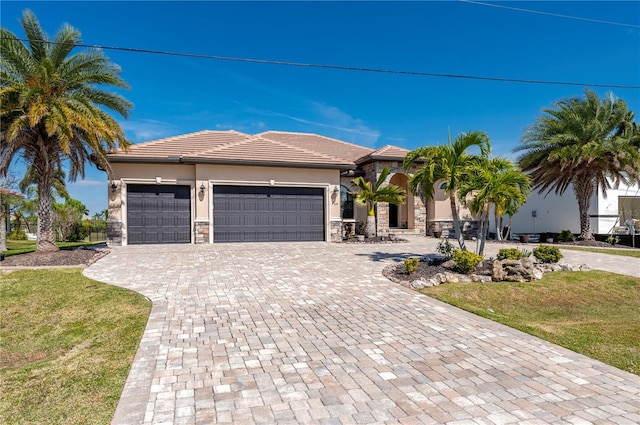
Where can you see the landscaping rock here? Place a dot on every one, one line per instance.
(523, 270)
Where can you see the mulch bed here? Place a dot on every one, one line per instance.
(81, 256)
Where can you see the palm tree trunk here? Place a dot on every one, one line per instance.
(584, 189)
(498, 221)
(371, 226)
(480, 242)
(46, 242)
(3, 224)
(456, 222)
(485, 233)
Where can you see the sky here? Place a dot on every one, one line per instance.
(175, 95)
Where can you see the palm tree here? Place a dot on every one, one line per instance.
(29, 183)
(588, 144)
(449, 163)
(369, 196)
(53, 109)
(493, 183)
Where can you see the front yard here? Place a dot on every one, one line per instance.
(66, 346)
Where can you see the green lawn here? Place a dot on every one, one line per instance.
(623, 252)
(66, 346)
(593, 313)
(23, 247)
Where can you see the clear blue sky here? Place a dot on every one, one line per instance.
(176, 95)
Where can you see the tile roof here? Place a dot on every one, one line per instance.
(268, 148)
(386, 152)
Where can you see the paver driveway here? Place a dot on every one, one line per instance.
(313, 333)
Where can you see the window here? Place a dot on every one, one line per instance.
(443, 186)
(346, 203)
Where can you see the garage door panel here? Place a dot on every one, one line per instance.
(245, 214)
(158, 214)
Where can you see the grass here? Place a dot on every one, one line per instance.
(24, 247)
(622, 252)
(66, 345)
(593, 313)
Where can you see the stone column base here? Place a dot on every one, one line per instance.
(114, 233)
(202, 232)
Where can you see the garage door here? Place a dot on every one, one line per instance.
(255, 214)
(158, 214)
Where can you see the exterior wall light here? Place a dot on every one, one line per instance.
(336, 190)
(113, 187)
(202, 188)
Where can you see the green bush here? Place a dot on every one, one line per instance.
(79, 231)
(411, 264)
(17, 235)
(445, 248)
(547, 254)
(466, 261)
(512, 254)
(566, 236)
(509, 254)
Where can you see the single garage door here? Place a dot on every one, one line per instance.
(158, 214)
(255, 214)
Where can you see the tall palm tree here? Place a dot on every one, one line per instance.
(370, 195)
(449, 163)
(53, 109)
(29, 184)
(496, 183)
(587, 143)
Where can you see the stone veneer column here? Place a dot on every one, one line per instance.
(114, 232)
(419, 216)
(202, 232)
(336, 230)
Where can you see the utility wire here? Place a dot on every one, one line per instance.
(551, 14)
(339, 67)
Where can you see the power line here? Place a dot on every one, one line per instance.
(558, 15)
(341, 67)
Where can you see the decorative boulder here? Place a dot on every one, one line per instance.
(523, 270)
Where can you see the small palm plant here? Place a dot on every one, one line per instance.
(370, 195)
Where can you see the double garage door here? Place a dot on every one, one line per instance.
(256, 213)
(158, 214)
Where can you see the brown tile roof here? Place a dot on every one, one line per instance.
(315, 142)
(268, 148)
(387, 152)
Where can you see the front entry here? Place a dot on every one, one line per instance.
(393, 216)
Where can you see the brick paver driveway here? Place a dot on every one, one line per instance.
(313, 333)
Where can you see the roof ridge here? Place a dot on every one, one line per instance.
(228, 144)
(183, 136)
(316, 135)
(298, 148)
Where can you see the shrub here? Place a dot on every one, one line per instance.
(512, 254)
(79, 231)
(466, 261)
(547, 254)
(509, 254)
(566, 236)
(411, 264)
(445, 248)
(17, 235)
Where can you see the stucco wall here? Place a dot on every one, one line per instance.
(208, 175)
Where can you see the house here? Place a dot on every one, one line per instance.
(553, 213)
(227, 186)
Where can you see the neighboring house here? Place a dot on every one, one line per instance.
(553, 213)
(226, 186)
